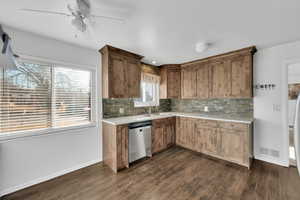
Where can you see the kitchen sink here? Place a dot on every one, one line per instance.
(162, 114)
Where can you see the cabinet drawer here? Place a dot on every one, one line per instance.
(234, 126)
(164, 121)
(207, 123)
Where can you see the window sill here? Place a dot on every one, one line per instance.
(39, 132)
(139, 104)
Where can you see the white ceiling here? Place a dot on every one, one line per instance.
(167, 30)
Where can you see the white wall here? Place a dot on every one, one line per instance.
(29, 160)
(270, 107)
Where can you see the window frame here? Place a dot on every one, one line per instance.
(49, 130)
(138, 104)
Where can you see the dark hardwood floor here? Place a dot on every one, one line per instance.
(174, 174)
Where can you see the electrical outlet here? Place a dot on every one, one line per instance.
(206, 109)
(121, 110)
(274, 153)
(269, 152)
(264, 151)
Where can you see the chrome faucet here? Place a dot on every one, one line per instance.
(149, 111)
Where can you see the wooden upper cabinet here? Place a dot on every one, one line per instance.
(220, 79)
(170, 81)
(202, 82)
(118, 81)
(241, 76)
(188, 82)
(121, 73)
(227, 75)
(133, 77)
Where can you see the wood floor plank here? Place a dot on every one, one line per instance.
(174, 174)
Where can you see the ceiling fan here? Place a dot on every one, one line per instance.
(80, 12)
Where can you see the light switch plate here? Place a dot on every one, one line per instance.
(276, 107)
(121, 110)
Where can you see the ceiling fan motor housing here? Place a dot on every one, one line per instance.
(79, 24)
(84, 8)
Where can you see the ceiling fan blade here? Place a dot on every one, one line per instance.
(45, 12)
(90, 33)
(109, 18)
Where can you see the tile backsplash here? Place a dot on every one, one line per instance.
(225, 106)
(111, 107)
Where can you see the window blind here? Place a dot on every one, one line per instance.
(25, 98)
(37, 96)
(71, 97)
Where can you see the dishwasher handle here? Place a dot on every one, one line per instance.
(139, 124)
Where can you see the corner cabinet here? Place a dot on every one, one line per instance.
(170, 81)
(223, 76)
(121, 73)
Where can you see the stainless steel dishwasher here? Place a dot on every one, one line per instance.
(139, 140)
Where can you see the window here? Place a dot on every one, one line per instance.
(38, 96)
(149, 91)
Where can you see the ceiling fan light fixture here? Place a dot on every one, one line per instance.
(7, 57)
(201, 47)
(79, 24)
(84, 7)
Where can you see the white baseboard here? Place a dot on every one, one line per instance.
(272, 160)
(46, 178)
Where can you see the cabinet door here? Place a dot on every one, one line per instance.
(188, 82)
(187, 133)
(241, 71)
(200, 132)
(163, 85)
(211, 137)
(118, 80)
(178, 130)
(203, 81)
(232, 145)
(158, 136)
(122, 147)
(220, 79)
(169, 133)
(173, 83)
(181, 132)
(133, 77)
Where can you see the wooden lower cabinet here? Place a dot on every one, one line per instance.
(158, 137)
(163, 134)
(211, 140)
(232, 146)
(226, 140)
(115, 146)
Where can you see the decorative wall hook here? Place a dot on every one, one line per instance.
(264, 86)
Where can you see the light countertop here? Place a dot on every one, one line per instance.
(210, 116)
